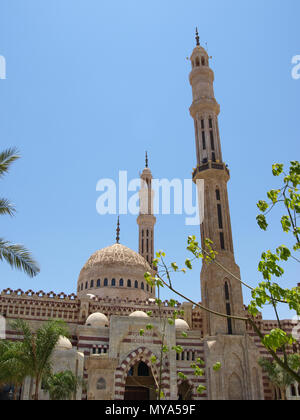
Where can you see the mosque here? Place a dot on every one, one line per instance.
(112, 300)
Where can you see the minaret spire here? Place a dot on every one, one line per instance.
(146, 160)
(197, 38)
(118, 231)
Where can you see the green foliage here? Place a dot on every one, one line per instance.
(277, 374)
(182, 376)
(217, 366)
(62, 385)
(17, 256)
(36, 349)
(277, 339)
(12, 370)
(201, 389)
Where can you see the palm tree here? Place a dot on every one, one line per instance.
(12, 370)
(16, 255)
(278, 376)
(38, 348)
(62, 385)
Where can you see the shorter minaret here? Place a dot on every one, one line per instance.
(146, 220)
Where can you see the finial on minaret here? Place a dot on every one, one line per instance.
(146, 160)
(118, 230)
(197, 37)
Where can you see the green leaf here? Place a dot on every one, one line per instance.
(182, 376)
(217, 366)
(188, 264)
(277, 169)
(262, 222)
(286, 223)
(174, 266)
(201, 389)
(262, 205)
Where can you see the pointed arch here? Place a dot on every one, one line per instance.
(141, 354)
(190, 385)
(235, 391)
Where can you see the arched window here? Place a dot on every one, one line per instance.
(98, 283)
(136, 285)
(86, 284)
(128, 283)
(105, 282)
(121, 283)
(101, 384)
(203, 61)
(113, 282)
(92, 283)
(218, 197)
(293, 391)
(197, 62)
(143, 369)
(226, 289)
(81, 286)
(142, 286)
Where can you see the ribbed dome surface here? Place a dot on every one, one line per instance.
(117, 254)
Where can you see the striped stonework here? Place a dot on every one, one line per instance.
(144, 355)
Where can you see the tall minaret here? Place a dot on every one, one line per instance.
(146, 220)
(220, 291)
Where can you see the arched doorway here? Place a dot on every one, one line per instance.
(185, 391)
(140, 384)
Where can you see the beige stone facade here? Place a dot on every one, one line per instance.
(110, 308)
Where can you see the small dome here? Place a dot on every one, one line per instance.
(182, 325)
(97, 320)
(63, 344)
(139, 314)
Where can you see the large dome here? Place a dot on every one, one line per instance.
(115, 272)
(117, 254)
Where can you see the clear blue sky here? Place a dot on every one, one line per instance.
(91, 85)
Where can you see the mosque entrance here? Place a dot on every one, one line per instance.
(185, 391)
(140, 384)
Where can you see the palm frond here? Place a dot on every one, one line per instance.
(7, 157)
(18, 257)
(6, 207)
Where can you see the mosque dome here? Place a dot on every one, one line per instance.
(115, 272)
(63, 344)
(181, 325)
(97, 320)
(139, 314)
(118, 255)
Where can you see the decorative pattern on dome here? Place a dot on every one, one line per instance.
(117, 254)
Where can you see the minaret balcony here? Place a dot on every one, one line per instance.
(210, 166)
